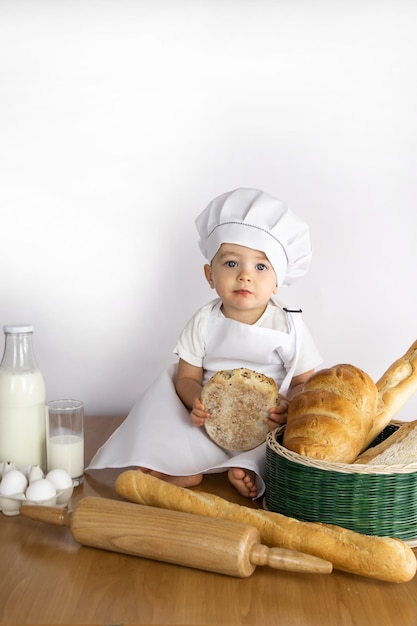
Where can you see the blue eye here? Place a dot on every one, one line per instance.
(261, 266)
(231, 263)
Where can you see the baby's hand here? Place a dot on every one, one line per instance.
(278, 414)
(198, 413)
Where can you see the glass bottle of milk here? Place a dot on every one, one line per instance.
(22, 401)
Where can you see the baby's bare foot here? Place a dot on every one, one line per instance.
(244, 481)
(180, 481)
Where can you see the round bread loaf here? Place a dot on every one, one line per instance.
(331, 417)
(238, 401)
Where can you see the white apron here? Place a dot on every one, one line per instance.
(158, 432)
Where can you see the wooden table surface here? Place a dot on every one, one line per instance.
(48, 578)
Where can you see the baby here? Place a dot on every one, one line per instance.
(245, 281)
(253, 244)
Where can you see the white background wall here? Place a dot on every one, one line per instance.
(121, 119)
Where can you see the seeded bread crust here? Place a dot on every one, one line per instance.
(238, 401)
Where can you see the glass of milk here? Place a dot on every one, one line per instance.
(65, 437)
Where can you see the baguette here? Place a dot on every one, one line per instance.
(374, 557)
(398, 449)
(395, 388)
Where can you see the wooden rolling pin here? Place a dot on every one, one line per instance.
(213, 545)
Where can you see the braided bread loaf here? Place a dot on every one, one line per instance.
(331, 418)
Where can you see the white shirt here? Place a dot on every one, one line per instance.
(214, 342)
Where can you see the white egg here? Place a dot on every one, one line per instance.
(39, 490)
(60, 478)
(13, 482)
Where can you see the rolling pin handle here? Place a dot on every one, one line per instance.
(289, 560)
(48, 514)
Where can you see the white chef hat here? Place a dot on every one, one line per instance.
(255, 219)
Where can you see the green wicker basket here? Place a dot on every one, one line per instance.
(369, 499)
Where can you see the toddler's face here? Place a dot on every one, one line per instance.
(244, 279)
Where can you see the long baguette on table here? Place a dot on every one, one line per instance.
(374, 557)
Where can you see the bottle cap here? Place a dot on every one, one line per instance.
(18, 328)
